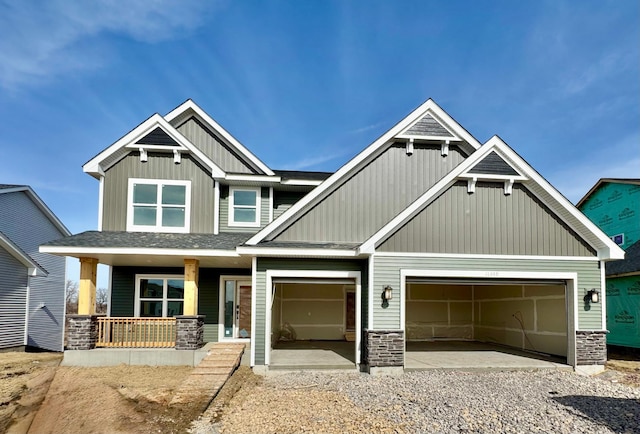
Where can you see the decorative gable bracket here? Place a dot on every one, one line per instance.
(507, 180)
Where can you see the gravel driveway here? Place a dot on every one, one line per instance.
(433, 401)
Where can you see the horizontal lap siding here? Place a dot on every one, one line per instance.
(265, 264)
(13, 299)
(158, 166)
(387, 272)
(487, 222)
(28, 227)
(373, 196)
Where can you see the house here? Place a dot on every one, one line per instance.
(425, 235)
(32, 284)
(613, 204)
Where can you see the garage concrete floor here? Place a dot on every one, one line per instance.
(466, 355)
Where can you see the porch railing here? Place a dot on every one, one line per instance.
(119, 332)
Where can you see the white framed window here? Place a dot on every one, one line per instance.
(158, 205)
(159, 295)
(618, 239)
(244, 207)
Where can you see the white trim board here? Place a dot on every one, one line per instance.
(318, 274)
(70, 251)
(484, 256)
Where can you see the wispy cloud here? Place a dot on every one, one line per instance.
(42, 40)
(311, 162)
(367, 128)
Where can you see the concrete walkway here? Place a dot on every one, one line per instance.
(211, 373)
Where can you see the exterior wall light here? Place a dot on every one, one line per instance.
(387, 294)
(593, 296)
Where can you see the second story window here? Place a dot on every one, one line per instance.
(158, 205)
(244, 207)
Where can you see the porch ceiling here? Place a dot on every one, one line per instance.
(155, 260)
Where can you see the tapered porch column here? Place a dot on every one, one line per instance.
(87, 290)
(191, 269)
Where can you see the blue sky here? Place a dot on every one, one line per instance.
(308, 84)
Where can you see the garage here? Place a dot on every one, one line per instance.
(527, 318)
(313, 323)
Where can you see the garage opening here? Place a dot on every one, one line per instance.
(313, 323)
(518, 318)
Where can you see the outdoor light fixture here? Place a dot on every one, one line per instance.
(387, 294)
(593, 295)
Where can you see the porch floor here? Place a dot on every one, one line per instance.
(475, 355)
(464, 355)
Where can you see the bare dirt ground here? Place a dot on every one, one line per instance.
(135, 399)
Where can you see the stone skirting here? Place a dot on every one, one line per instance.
(383, 348)
(591, 347)
(189, 332)
(82, 332)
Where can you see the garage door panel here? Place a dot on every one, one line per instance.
(552, 315)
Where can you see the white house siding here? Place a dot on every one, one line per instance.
(13, 296)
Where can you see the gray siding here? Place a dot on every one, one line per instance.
(265, 264)
(13, 300)
(283, 200)
(224, 211)
(487, 222)
(222, 156)
(493, 164)
(387, 272)
(428, 126)
(27, 226)
(373, 196)
(158, 166)
(123, 282)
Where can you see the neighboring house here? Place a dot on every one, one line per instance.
(614, 205)
(32, 284)
(425, 234)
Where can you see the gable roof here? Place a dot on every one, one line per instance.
(629, 266)
(229, 140)
(633, 181)
(121, 148)
(10, 188)
(428, 108)
(540, 187)
(14, 250)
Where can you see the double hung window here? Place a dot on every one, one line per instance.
(158, 205)
(159, 296)
(244, 207)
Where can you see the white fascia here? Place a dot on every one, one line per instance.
(33, 269)
(302, 182)
(427, 107)
(77, 251)
(189, 104)
(299, 253)
(94, 167)
(234, 177)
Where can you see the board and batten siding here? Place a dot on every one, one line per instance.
(487, 222)
(373, 196)
(387, 272)
(224, 211)
(158, 166)
(13, 300)
(264, 264)
(123, 287)
(28, 227)
(220, 154)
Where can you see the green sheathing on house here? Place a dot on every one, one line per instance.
(387, 272)
(224, 210)
(623, 311)
(123, 287)
(158, 166)
(264, 264)
(615, 208)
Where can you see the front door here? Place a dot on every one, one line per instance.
(237, 309)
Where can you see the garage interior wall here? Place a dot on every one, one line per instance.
(531, 317)
(313, 311)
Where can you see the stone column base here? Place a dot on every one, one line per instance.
(189, 332)
(591, 347)
(383, 349)
(82, 332)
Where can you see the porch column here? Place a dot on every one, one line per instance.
(191, 269)
(87, 290)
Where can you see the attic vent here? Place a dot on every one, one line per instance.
(493, 164)
(428, 126)
(157, 137)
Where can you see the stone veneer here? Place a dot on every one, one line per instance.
(384, 348)
(591, 347)
(82, 332)
(189, 332)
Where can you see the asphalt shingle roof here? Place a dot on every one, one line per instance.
(299, 174)
(307, 245)
(152, 240)
(630, 263)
